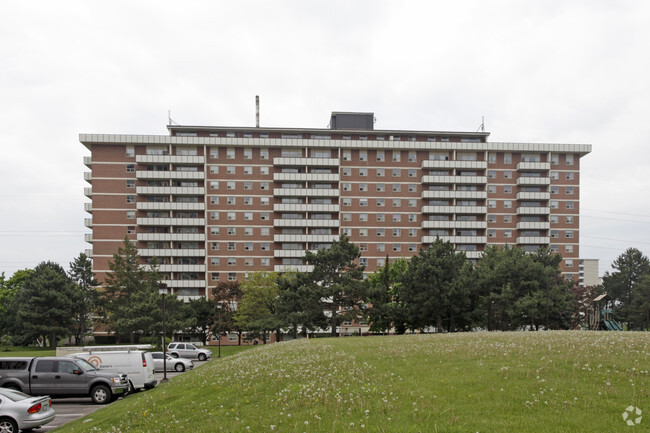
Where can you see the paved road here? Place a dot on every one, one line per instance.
(70, 409)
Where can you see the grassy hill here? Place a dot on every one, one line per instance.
(474, 382)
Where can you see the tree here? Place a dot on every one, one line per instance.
(201, 312)
(226, 294)
(46, 302)
(299, 306)
(386, 310)
(9, 288)
(339, 280)
(256, 313)
(130, 298)
(639, 311)
(432, 288)
(630, 267)
(85, 284)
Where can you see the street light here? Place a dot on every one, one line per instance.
(219, 328)
(162, 290)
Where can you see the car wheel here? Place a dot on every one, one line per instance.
(8, 425)
(202, 357)
(12, 387)
(179, 367)
(174, 355)
(100, 394)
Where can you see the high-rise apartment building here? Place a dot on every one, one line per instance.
(213, 203)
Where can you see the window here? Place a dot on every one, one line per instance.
(492, 233)
(492, 218)
(232, 276)
(214, 152)
(248, 231)
(381, 202)
(214, 215)
(492, 158)
(347, 217)
(568, 234)
(413, 157)
(248, 154)
(347, 171)
(264, 231)
(507, 218)
(555, 189)
(555, 159)
(363, 202)
(363, 247)
(381, 248)
(363, 261)
(507, 174)
(569, 160)
(381, 233)
(381, 172)
(397, 187)
(214, 246)
(264, 170)
(413, 187)
(230, 169)
(568, 263)
(569, 204)
(492, 174)
(264, 154)
(265, 261)
(568, 219)
(347, 232)
(413, 218)
(397, 202)
(397, 247)
(214, 169)
(413, 233)
(397, 217)
(130, 199)
(569, 175)
(396, 156)
(265, 246)
(230, 153)
(232, 230)
(248, 216)
(492, 203)
(569, 190)
(264, 201)
(554, 219)
(130, 183)
(248, 170)
(397, 172)
(248, 246)
(363, 187)
(381, 187)
(492, 189)
(507, 189)
(264, 186)
(347, 202)
(130, 230)
(230, 185)
(507, 233)
(568, 248)
(231, 200)
(363, 172)
(397, 233)
(363, 217)
(231, 216)
(413, 172)
(347, 187)
(363, 155)
(507, 204)
(380, 156)
(363, 232)
(412, 203)
(555, 234)
(248, 201)
(264, 216)
(347, 155)
(555, 175)
(130, 151)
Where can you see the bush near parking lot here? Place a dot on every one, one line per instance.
(496, 382)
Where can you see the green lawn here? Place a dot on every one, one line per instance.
(473, 382)
(27, 351)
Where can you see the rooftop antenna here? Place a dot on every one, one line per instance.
(169, 118)
(257, 111)
(482, 127)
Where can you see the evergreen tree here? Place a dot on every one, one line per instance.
(386, 311)
(299, 306)
(630, 267)
(45, 304)
(85, 284)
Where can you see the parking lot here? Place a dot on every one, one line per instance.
(70, 409)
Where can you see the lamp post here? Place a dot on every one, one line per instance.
(219, 328)
(162, 290)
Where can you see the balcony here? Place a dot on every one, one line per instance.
(454, 224)
(533, 210)
(305, 192)
(464, 180)
(181, 268)
(187, 237)
(88, 207)
(171, 252)
(88, 161)
(298, 207)
(184, 283)
(88, 191)
(176, 175)
(145, 205)
(533, 240)
(88, 176)
(88, 237)
(472, 254)
(170, 159)
(305, 238)
(171, 221)
(525, 225)
(456, 239)
(170, 190)
(521, 180)
(314, 162)
(89, 252)
(533, 166)
(306, 177)
(293, 268)
(533, 196)
(88, 222)
(189, 298)
(290, 253)
(455, 209)
(305, 223)
(475, 195)
(478, 165)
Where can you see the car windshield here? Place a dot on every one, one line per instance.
(14, 395)
(85, 365)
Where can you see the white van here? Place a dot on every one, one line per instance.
(134, 360)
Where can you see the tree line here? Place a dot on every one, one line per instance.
(437, 290)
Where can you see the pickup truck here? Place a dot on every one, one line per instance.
(61, 377)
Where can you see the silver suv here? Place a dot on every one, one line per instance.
(188, 350)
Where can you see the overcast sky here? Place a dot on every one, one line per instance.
(539, 71)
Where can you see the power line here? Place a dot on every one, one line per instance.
(616, 240)
(617, 213)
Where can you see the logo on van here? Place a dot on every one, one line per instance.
(96, 361)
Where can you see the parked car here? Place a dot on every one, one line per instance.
(188, 350)
(173, 364)
(21, 411)
(61, 377)
(136, 363)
